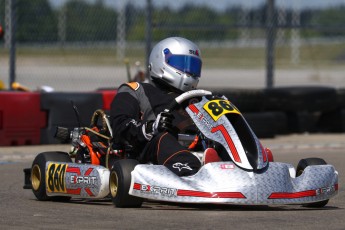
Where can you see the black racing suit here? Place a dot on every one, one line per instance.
(137, 103)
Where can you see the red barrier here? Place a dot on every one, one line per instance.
(108, 96)
(21, 118)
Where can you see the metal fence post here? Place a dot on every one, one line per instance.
(244, 22)
(121, 31)
(295, 33)
(62, 22)
(148, 34)
(270, 31)
(12, 27)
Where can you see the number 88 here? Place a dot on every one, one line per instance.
(217, 108)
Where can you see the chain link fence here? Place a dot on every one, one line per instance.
(83, 45)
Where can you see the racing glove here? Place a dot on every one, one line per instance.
(163, 123)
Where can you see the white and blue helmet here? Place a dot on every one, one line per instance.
(177, 62)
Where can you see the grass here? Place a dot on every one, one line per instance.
(326, 56)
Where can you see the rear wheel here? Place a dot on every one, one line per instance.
(120, 182)
(302, 165)
(38, 174)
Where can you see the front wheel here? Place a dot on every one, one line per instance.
(302, 165)
(38, 174)
(120, 182)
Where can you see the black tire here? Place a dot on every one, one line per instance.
(61, 113)
(301, 122)
(38, 175)
(332, 121)
(119, 184)
(266, 124)
(246, 100)
(341, 98)
(299, 98)
(303, 163)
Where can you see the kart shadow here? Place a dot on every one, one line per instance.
(104, 202)
(228, 207)
(170, 206)
(101, 202)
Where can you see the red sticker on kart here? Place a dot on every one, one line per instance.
(227, 166)
(217, 108)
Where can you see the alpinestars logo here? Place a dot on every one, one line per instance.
(181, 166)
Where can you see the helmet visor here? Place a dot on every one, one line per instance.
(185, 63)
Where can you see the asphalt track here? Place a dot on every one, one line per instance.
(20, 210)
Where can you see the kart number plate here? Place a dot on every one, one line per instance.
(55, 178)
(217, 108)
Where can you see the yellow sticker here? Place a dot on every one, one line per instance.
(55, 178)
(217, 108)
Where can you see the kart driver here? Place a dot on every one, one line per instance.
(137, 110)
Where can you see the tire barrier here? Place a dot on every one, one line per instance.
(300, 108)
(31, 118)
(267, 124)
(301, 122)
(334, 121)
(21, 118)
(61, 113)
(246, 100)
(310, 99)
(341, 98)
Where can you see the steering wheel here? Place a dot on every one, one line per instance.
(178, 101)
(186, 96)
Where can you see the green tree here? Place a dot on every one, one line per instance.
(90, 22)
(193, 22)
(333, 19)
(36, 21)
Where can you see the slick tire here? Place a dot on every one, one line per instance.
(120, 182)
(302, 165)
(38, 174)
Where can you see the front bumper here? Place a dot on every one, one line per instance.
(224, 182)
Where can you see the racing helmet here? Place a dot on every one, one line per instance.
(176, 62)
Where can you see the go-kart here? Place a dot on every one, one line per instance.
(245, 173)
